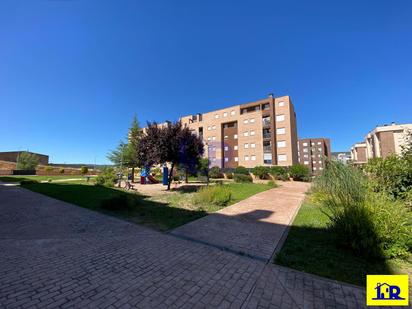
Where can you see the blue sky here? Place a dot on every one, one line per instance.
(73, 73)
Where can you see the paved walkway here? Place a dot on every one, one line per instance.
(56, 255)
(252, 227)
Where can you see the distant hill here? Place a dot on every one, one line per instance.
(79, 165)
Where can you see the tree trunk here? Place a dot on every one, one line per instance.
(132, 174)
(186, 176)
(170, 176)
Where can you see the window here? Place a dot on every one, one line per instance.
(226, 137)
(313, 144)
(265, 106)
(319, 143)
(253, 158)
(235, 136)
(305, 150)
(252, 132)
(267, 158)
(305, 156)
(226, 148)
(319, 156)
(306, 162)
(213, 159)
(213, 127)
(225, 114)
(216, 116)
(321, 168)
(209, 128)
(232, 113)
(252, 120)
(246, 158)
(282, 158)
(314, 168)
(214, 148)
(252, 145)
(281, 144)
(281, 103)
(320, 149)
(280, 130)
(226, 159)
(236, 159)
(246, 133)
(246, 146)
(305, 144)
(209, 138)
(246, 121)
(213, 138)
(314, 162)
(235, 147)
(280, 118)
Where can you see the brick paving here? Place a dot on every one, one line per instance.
(252, 227)
(57, 255)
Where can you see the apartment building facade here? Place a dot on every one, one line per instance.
(262, 132)
(312, 153)
(381, 142)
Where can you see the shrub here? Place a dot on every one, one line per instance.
(279, 172)
(219, 195)
(116, 203)
(27, 161)
(215, 172)
(107, 177)
(260, 171)
(242, 178)
(241, 170)
(299, 172)
(48, 169)
(61, 171)
(370, 224)
(84, 170)
(229, 175)
(273, 184)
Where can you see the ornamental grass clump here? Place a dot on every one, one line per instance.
(218, 195)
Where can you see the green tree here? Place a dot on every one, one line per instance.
(27, 161)
(84, 170)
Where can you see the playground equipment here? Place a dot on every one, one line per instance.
(146, 177)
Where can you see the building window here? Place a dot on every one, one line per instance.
(213, 138)
(232, 113)
(235, 147)
(321, 168)
(280, 118)
(246, 158)
(282, 158)
(252, 132)
(319, 143)
(226, 148)
(246, 146)
(225, 114)
(236, 159)
(305, 156)
(305, 150)
(306, 162)
(246, 121)
(281, 103)
(226, 159)
(246, 133)
(253, 158)
(252, 120)
(235, 136)
(280, 130)
(252, 145)
(209, 138)
(216, 116)
(226, 137)
(305, 144)
(281, 144)
(320, 149)
(314, 162)
(313, 144)
(314, 168)
(213, 159)
(213, 127)
(209, 128)
(267, 158)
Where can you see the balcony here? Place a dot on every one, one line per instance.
(266, 122)
(267, 135)
(267, 149)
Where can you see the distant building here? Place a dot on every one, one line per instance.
(312, 153)
(343, 157)
(12, 156)
(381, 142)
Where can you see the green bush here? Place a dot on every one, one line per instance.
(107, 177)
(48, 169)
(61, 171)
(279, 172)
(219, 195)
(299, 172)
(242, 178)
(261, 171)
(229, 175)
(215, 172)
(84, 170)
(116, 203)
(371, 224)
(272, 184)
(241, 170)
(27, 161)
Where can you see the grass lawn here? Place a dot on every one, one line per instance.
(38, 178)
(162, 212)
(310, 247)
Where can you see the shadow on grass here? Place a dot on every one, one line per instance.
(141, 210)
(12, 179)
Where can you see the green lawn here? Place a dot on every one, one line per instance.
(162, 212)
(39, 178)
(310, 247)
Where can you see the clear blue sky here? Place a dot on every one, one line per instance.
(73, 73)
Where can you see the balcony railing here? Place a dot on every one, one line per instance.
(265, 122)
(267, 148)
(266, 135)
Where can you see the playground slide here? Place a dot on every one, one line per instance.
(152, 179)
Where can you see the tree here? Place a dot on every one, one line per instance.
(171, 144)
(84, 170)
(125, 154)
(27, 161)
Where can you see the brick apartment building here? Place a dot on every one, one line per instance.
(12, 156)
(381, 142)
(262, 132)
(312, 153)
